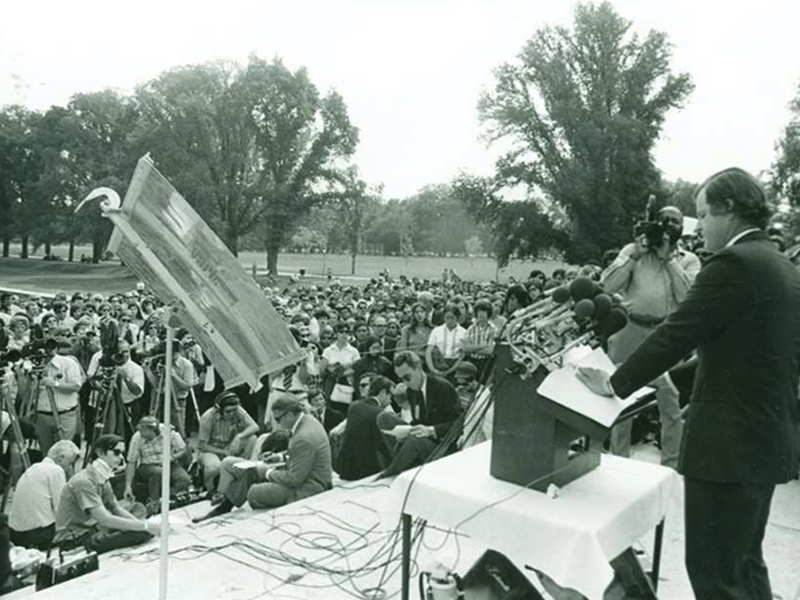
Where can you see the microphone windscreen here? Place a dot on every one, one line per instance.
(602, 304)
(561, 294)
(582, 287)
(584, 308)
(615, 321)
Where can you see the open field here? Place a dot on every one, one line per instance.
(45, 276)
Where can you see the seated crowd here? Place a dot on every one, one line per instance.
(389, 367)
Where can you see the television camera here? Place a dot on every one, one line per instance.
(653, 227)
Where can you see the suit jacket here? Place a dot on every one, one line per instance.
(439, 408)
(743, 316)
(363, 451)
(308, 466)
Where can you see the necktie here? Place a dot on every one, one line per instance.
(288, 374)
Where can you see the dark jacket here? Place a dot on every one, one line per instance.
(743, 316)
(363, 451)
(440, 407)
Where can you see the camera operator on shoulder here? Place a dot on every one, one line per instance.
(653, 274)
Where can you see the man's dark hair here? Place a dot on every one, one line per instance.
(537, 273)
(561, 272)
(406, 357)
(747, 199)
(485, 306)
(341, 326)
(379, 383)
(106, 442)
(520, 293)
(452, 308)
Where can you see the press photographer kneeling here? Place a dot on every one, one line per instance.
(653, 275)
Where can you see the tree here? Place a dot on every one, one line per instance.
(582, 109)
(21, 166)
(681, 194)
(519, 229)
(251, 148)
(785, 173)
(356, 206)
(98, 152)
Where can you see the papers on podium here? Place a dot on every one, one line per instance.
(563, 387)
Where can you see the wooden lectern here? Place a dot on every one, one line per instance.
(535, 441)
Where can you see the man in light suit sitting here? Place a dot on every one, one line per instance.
(306, 468)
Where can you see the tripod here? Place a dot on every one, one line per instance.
(157, 401)
(108, 406)
(19, 441)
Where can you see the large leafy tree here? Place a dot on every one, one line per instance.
(20, 167)
(253, 148)
(581, 109)
(356, 208)
(519, 229)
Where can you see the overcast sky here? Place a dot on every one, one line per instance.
(411, 71)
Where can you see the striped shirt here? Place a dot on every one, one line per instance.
(148, 452)
(480, 335)
(64, 370)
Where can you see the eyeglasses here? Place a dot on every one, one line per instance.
(278, 417)
(407, 377)
(364, 384)
(118, 452)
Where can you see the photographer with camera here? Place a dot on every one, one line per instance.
(126, 376)
(57, 401)
(653, 275)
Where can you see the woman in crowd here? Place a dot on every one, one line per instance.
(415, 335)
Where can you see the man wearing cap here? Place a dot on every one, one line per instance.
(145, 459)
(652, 281)
(306, 468)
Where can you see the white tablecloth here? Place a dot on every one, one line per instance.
(571, 538)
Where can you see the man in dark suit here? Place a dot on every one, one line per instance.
(743, 317)
(434, 409)
(364, 451)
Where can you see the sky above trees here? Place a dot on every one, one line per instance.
(411, 72)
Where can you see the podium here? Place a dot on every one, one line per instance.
(535, 441)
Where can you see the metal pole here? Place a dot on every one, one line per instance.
(166, 455)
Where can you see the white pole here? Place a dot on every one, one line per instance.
(166, 456)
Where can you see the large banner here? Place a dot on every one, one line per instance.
(166, 243)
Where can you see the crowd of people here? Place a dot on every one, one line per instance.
(389, 367)
(369, 349)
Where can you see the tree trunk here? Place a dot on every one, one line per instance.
(353, 254)
(232, 238)
(71, 250)
(272, 259)
(97, 251)
(6, 247)
(24, 247)
(48, 248)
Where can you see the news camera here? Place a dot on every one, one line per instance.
(653, 227)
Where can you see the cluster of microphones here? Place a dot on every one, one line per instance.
(570, 315)
(591, 303)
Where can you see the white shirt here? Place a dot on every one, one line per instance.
(449, 341)
(36, 496)
(345, 356)
(134, 372)
(739, 236)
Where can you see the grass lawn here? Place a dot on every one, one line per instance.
(41, 276)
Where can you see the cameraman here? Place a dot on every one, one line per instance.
(653, 277)
(61, 379)
(128, 379)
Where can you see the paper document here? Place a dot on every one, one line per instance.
(564, 387)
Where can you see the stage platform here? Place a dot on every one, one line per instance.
(340, 544)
